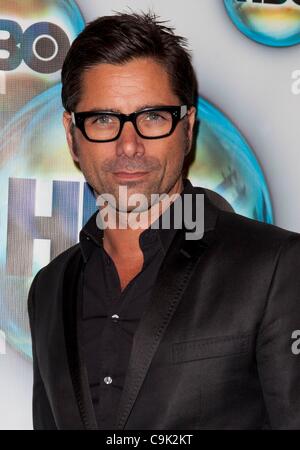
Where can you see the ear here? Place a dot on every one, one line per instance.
(67, 122)
(191, 118)
(191, 115)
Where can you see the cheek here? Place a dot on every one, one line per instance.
(169, 151)
(90, 156)
(176, 148)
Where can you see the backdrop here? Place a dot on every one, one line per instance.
(246, 56)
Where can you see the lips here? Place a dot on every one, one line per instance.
(130, 175)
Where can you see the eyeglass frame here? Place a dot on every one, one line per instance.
(178, 113)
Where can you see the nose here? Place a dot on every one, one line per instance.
(129, 142)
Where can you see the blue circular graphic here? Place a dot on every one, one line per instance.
(226, 164)
(276, 25)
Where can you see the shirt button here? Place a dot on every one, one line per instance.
(115, 318)
(107, 380)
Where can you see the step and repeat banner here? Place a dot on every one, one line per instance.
(245, 54)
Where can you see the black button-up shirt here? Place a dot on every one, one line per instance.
(109, 316)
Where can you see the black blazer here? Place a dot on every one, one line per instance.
(212, 351)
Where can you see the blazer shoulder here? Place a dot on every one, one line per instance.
(251, 231)
(57, 264)
(245, 230)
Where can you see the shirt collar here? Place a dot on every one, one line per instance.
(92, 235)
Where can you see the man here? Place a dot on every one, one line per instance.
(143, 327)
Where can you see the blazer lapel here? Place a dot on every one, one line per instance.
(174, 276)
(72, 290)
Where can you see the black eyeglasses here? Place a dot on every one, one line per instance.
(149, 123)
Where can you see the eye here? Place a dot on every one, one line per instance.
(102, 119)
(154, 115)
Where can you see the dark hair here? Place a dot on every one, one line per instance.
(119, 38)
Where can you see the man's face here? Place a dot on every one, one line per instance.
(128, 88)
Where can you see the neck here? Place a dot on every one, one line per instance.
(123, 240)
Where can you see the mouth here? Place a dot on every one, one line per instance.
(130, 175)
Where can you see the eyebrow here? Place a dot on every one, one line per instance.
(105, 109)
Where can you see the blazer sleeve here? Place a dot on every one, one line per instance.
(278, 365)
(41, 410)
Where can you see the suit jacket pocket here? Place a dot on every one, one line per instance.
(213, 347)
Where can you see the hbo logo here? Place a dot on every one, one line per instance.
(43, 46)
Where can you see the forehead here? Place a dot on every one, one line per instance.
(125, 86)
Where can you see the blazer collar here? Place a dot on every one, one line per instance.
(176, 271)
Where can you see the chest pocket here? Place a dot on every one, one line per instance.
(213, 347)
